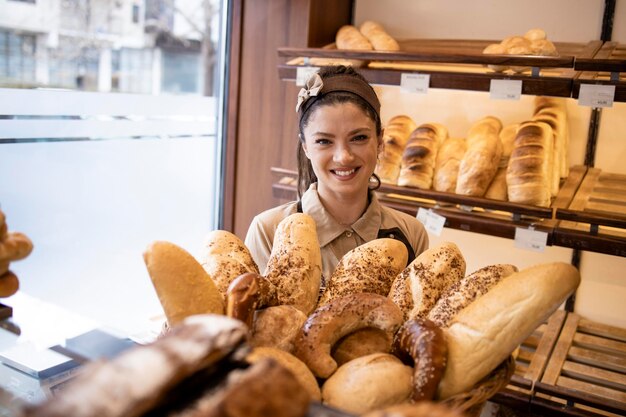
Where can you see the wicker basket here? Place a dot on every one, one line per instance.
(472, 402)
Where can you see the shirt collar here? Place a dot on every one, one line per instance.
(328, 229)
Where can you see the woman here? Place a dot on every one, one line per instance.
(340, 139)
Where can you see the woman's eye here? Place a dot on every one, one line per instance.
(360, 138)
(322, 141)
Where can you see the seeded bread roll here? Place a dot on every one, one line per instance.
(182, 285)
(480, 162)
(378, 37)
(225, 257)
(368, 383)
(277, 327)
(448, 162)
(295, 263)
(419, 286)
(529, 174)
(369, 268)
(395, 137)
(462, 293)
(292, 364)
(349, 37)
(485, 333)
(420, 155)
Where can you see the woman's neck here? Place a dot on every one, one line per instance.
(344, 209)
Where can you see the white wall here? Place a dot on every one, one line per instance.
(603, 290)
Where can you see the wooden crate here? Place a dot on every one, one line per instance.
(586, 373)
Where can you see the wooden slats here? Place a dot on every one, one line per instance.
(594, 375)
(598, 359)
(592, 389)
(599, 343)
(546, 345)
(610, 332)
(560, 351)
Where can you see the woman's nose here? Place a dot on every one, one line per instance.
(343, 154)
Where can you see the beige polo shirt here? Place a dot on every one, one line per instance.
(335, 240)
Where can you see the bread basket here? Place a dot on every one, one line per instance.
(472, 402)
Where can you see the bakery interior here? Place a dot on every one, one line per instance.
(93, 200)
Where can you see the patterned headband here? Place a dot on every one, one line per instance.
(316, 88)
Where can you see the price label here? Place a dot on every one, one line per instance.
(505, 89)
(303, 74)
(530, 239)
(593, 95)
(432, 222)
(415, 83)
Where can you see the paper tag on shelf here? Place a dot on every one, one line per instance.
(415, 83)
(593, 95)
(505, 89)
(303, 74)
(432, 222)
(530, 239)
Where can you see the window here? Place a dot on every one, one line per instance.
(109, 140)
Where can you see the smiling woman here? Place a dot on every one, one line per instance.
(340, 139)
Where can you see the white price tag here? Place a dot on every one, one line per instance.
(530, 239)
(596, 95)
(505, 89)
(415, 83)
(432, 222)
(303, 74)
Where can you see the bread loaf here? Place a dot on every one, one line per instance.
(182, 285)
(529, 172)
(291, 363)
(420, 154)
(277, 327)
(535, 34)
(9, 284)
(420, 409)
(15, 246)
(361, 343)
(224, 257)
(497, 190)
(378, 37)
(368, 383)
(395, 137)
(295, 262)
(447, 165)
(349, 37)
(480, 162)
(462, 293)
(496, 49)
(485, 333)
(507, 137)
(369, 268)
(416, 290)
(553, 111)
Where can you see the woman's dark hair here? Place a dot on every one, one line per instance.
(306, 176)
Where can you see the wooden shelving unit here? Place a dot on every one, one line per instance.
(606, 67)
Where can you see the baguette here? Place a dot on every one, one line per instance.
(485, 333)
(420, 154)
(349, 37)
(378, 37)
(395, 137)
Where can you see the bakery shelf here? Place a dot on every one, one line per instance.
(606, 67)
(452, 64)
(595, 219)
(474, 214)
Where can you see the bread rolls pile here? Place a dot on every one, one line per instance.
(534, 42)
(14, 246)
(369, 36)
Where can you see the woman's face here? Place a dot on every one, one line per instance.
(341, 143)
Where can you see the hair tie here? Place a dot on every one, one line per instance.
(312, 88)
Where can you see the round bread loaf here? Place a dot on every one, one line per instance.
(15, 246)
(368, 383)
(293, 364)
(277, 327)
(182, 285)
(369, 268)
(224, 257)
(295, 263)
(361, 343)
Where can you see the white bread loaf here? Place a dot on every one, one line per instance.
(182, 285)
(378, 37)
(293, 364)
(462, 293)
(507, 137)
(497, 190)
(349, 37)
(277, 327)
(529, 173)
(485, 333)
(447, 165)
(368, 268)
(295, 262)
(416, 290)
(420, 155)
(480, 162)
(395, 137)
(553, 111)
(224, 257)
(368, 383)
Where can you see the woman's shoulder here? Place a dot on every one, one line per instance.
(393, 216)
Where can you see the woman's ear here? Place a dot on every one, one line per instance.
(303, 144)
(381, 144)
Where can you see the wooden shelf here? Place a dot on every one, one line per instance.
(453, 64)
(606, 67)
